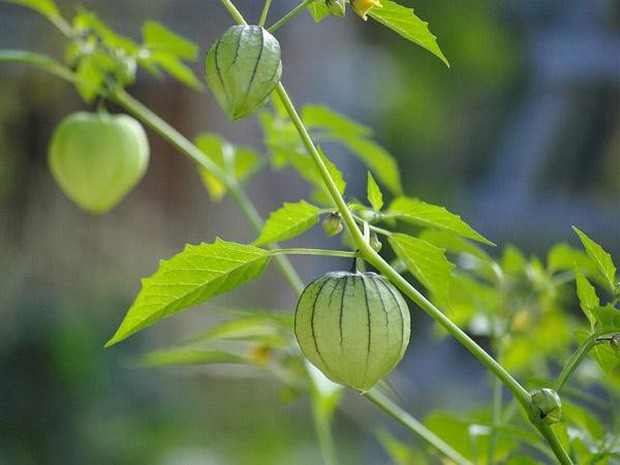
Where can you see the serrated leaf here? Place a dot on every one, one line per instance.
(426, 262)
(289, 221)
(602, 259)
(45, 7)
(403, 21)
(239, 162)
(159, 38)
(188, 356)
(433, 216)
(190, 278)
(375, 197)
(318, 10)
(587, 296)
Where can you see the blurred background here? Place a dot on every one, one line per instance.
(521, 137)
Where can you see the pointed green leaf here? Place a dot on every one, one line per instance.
(159, 38)
(334, 172)
(403, 21)
(425, 214)
(375, 197)
(587, 296)
(177, 69)
(602, 259)
(45, 7)
(289, 221)
(607, 319)
(426, 262)
(240, 162)
(190, 278)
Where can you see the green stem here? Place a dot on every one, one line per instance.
(555, 444)
(322, 425)
(496, 413)
(290, 15)
(263, 16)
(40, 61)
(190, 150)
(232, 10)
(414, 425)
(322, 252)
(372, 257)
(575, 360)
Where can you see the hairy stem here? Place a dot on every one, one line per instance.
(414, 425)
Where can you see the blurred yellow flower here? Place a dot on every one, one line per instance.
(361, 7)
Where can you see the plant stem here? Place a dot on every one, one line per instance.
(190, 150)
(232, 10)
(263, 16)
(322, 252)
(555, 444)
(322, 425)
(575, 360)
(496, 413)
(414, 425)
(40, 61)
(372, 257)
(290, 15)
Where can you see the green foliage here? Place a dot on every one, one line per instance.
(424, 214)
(45, 7)
(403, 21)
(238, 162)
(426, 262)
(190, 278)
(289, 221)
(375, 197)
(601, 258)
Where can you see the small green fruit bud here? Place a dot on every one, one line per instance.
(243, 67)
(545, 407)
(332, 225)
(336, 7)
(354, 327)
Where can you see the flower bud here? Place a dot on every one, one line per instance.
(332, 225)
(375, 243)
(545, 407)
(243, 67)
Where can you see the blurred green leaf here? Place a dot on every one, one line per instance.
(607, 319)
(602, 259)
(45, 7)
(426, 262)
(87, 22)
(321, 117)
(433, 216)
(334, 172)
(582, 419)
(177, 69)
(240, 162)
(455, 244)
(587, 296)
(289, 221)
(189, 278)
(375, 197)
(564, 257)
(522, 460)
(188, 356)
(90, 78)
(399, 452)
(318, 10)
(403, 21)
(159, 38)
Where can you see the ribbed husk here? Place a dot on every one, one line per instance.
(354, 327)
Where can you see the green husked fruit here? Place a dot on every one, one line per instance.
(98, 158)
(242, 68)
(354, 327)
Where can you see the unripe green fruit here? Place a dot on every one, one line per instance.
(545, 407)
(332, 224)
(97, 158)
(242, 68)
(354, 327)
